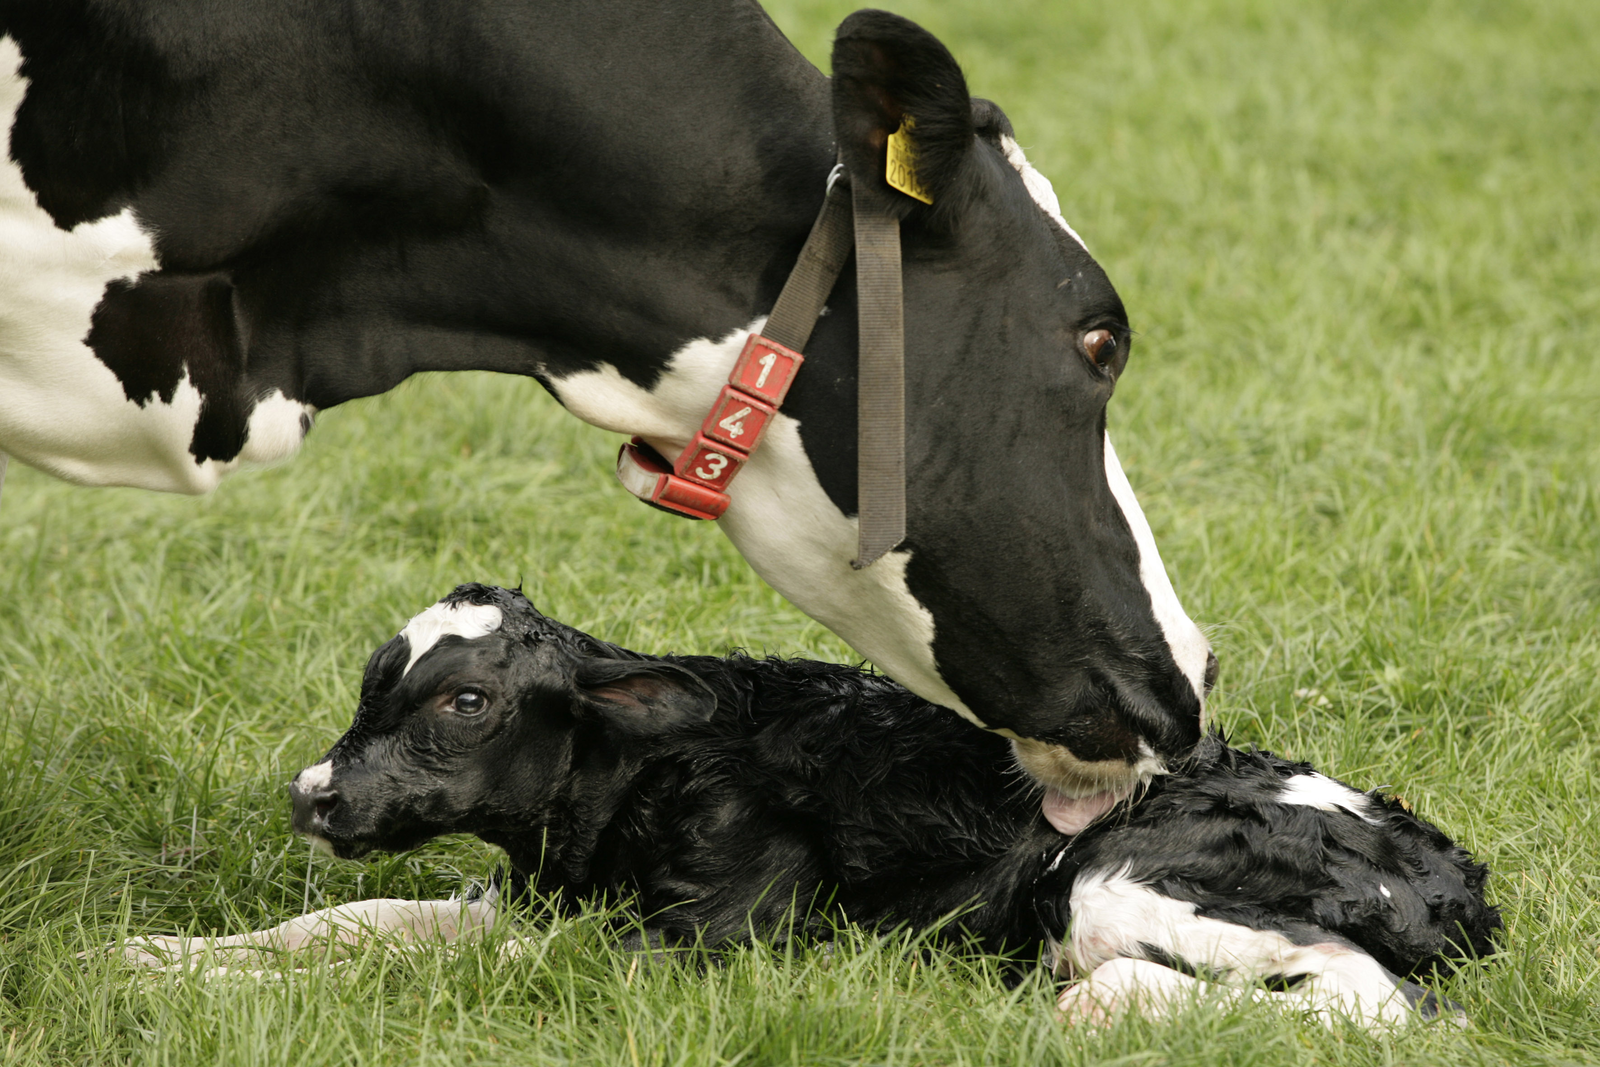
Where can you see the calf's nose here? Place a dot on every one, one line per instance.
(314, 799)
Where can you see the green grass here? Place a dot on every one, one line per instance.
(1359, 240)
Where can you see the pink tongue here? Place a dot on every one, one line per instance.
(1069, 815)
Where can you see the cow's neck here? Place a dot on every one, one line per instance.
(674, 192)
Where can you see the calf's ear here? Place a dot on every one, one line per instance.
(887, 69)
(641, 698)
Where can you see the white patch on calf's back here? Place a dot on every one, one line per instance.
(1318, 791)
(461, 619)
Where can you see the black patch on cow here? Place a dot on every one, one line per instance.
(99, 103)
(151, 330)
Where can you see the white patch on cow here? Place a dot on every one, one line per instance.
(1038, 186)
(462, 619)
(317, 777)
(1115, 916)
(1315, 790)
(61, 409)
(1188, 645)
(276, 427)
(779, 518)
(1385, 891)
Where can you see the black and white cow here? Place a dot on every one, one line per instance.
(221, 217)
(725, 797)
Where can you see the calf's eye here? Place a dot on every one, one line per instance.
(470, 702)
(1100, 346)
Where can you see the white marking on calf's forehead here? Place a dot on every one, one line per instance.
(1323, 793)
(1189, 646)
(463, 620)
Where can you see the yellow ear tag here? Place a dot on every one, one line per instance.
(901, 167)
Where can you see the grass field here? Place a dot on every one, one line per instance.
(1360, 242)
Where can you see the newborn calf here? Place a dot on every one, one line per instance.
(725, 796)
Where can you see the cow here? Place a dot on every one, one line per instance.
(724, 798)
(224, 217)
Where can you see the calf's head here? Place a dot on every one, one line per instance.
(471, 719)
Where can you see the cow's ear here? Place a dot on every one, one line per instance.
(887, 69)
(641, 698)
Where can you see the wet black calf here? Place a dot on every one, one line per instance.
(729, 795)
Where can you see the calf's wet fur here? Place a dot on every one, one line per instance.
(725, 797)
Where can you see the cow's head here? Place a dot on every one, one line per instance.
(1053, 618)
(471, 720)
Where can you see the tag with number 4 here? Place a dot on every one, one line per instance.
(737, 419)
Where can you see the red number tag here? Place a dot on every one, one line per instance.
(710, 463)
(737, 420)
(766, 369)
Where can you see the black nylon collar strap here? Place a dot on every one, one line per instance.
(696, 484)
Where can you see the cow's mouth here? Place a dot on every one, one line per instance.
(1077, 791)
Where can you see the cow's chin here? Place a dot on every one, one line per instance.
(1077, 791)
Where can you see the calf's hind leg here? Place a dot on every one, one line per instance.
(1156, 947)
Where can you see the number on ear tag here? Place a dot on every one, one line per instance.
(900, 170)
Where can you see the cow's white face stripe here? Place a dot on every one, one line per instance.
(61, 409)
(1189, 646)
(463, 620)
(780, 518)
(1038, 186)
(1323, 793)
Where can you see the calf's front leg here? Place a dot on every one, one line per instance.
(328, 934)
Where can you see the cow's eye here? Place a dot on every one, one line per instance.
(470, 702)
(1100, 346)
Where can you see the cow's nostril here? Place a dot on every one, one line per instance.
(323, 805)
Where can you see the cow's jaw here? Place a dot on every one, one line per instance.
(780, 518)
(784, 524)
